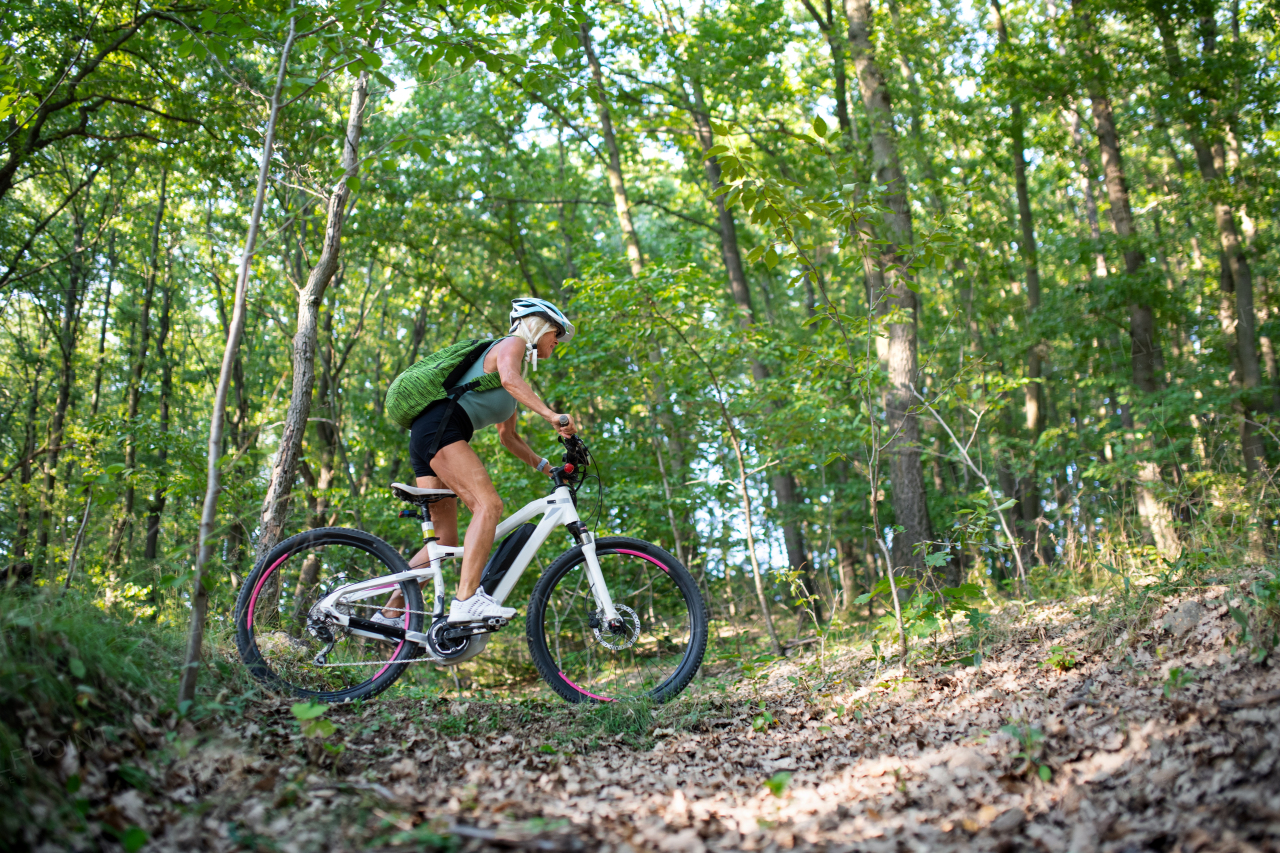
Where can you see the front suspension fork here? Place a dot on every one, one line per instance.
(598, 588)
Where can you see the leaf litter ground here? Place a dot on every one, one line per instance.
(1164, 738)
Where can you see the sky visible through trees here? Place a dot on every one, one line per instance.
(983, 293)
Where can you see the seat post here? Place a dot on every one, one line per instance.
(428, 526)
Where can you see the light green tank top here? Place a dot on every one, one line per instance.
(485, 408)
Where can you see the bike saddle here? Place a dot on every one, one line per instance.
(421, 497)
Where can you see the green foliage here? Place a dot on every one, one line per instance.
(1177, 679)
(1060, 658)
(1031, 742)
(480, 179)
(763, 720)
(777, 783)
(310, 717)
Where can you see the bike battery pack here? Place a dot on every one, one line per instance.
(504, 555)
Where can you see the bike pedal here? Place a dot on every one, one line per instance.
(496, 622)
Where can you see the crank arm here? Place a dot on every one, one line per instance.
(470, 631)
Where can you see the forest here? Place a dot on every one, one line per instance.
(899, 324)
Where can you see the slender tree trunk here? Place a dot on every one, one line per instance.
(1236, 275)
(26, 470)
(630, 238)
(1156, 516)
(621, 205)
(566, 216)
(166, 391)
(839, 75)
(275, 507)
(1033, 392)
(1072, 118)
(893, 296)
(209, 513)
(112, 260)
(66, 382)
(137, 371)
(784, 483)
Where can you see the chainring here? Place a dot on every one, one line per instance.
(620, 641)
(451, 652)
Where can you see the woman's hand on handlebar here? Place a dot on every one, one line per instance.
(563, 423)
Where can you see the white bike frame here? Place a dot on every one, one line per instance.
(556, 509)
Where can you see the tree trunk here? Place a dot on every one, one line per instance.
(166, 391)
(1072, 118)
(784, 482)
(893, 296)
(621, 205)
(1033, 393)
(26, 470)
(136, 373)
(112, 260)
(1237, 277)
(275, 507)
(66, 381)
(1157, 518)
(209, 513)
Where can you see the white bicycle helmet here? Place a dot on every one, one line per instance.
(526, 306)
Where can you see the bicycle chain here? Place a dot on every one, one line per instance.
(427, 659)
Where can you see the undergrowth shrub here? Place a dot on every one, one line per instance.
(72, 677)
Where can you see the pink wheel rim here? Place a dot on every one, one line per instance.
(253, 603)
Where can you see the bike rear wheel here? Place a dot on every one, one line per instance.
(656, 650)
(276, 641)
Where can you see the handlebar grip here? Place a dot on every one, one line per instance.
(564, 420)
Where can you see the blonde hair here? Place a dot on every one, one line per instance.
(530, 329)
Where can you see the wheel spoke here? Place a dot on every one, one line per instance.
(647, 649)
(275, 621)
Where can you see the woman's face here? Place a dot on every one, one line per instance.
(547, 343)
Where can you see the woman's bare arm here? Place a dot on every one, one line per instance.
(510, 358)
(513, 441)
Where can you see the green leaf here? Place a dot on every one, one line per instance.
(353, 184)
(937, 558)
(1007, 504)
(820, 127)
(1045, 773)
(778, 783)
(134, 777)
(320, 728)
(133, 839)
(309, 710)
(77, 667)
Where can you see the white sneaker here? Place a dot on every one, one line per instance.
(477, 608)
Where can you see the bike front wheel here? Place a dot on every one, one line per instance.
(282, 647)
(653, 651)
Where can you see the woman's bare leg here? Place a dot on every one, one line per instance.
(461, 470)
(444, 516)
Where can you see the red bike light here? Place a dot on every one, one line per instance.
(568, 467)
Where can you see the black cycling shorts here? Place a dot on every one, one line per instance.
(423, 433)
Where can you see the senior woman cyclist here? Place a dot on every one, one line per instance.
(537, 327)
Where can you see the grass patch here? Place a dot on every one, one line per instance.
(72, 677)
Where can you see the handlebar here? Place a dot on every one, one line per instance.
(564, 420)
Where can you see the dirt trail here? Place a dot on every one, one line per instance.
(877, 763)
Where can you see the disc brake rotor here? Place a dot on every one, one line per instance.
(618, 637)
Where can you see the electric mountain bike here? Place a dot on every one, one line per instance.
(610, 618)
